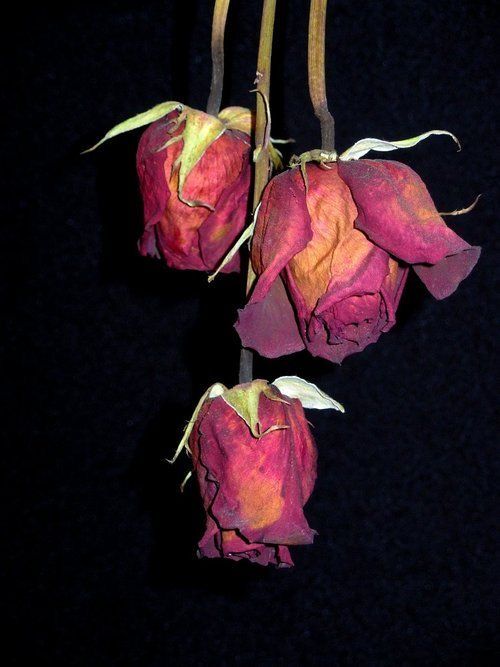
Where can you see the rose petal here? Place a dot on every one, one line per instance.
(332, 214)
(154, 188)
(443, 278)
(282, 229)
(269, 326)
(397, 213)
(224, 225)
(358, 267)
(336, 352)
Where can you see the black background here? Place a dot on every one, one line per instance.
(109, 352)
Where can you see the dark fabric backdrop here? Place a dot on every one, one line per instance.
(108, 353)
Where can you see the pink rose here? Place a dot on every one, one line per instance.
(254, 480)
(332, 260)
(191, 222)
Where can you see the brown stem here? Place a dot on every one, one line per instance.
(263, 162)
(316, 66)
(218, 28)
(246, 366)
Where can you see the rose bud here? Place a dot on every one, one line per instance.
(194, 172)
(255, 460)
(332, 256)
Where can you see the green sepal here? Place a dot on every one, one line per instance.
(200, 132)
(237, 118)
(364, 146)
(140, 120)
(244, 399)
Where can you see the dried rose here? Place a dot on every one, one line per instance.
(255, 460)
(194, 171)
(332, 256)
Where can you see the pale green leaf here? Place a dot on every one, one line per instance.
(308, 393)
(363, 146)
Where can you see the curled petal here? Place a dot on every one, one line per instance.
(443, 278)
(397, 213)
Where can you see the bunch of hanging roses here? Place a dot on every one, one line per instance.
(332, 243)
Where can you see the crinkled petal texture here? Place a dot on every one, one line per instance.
(254, 489)
(396, 212)
(332, 260)
(322, 284)
(192, 236)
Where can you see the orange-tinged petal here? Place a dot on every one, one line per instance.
(332, 212)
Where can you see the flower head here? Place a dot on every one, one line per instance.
(194, 173)
(332, 250)
(255, 460)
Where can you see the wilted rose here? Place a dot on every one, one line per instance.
(255, 460)
(332, 259)
(194, 173)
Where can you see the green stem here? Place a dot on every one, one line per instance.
(316, 68)
(218, 27)
(263, 162)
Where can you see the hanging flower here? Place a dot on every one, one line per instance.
(194, 172)
(331, 248)
(255, 460)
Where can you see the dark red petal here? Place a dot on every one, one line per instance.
(269, 326)
(319, 346)
(443, 278)
(228, 544)
(154, 187)
(283, 228)
(304, 447)
(397, 213)
(147, 244)
(224, 225)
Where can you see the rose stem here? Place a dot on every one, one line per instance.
(262, 164)
(218, 28)
(316, 68)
